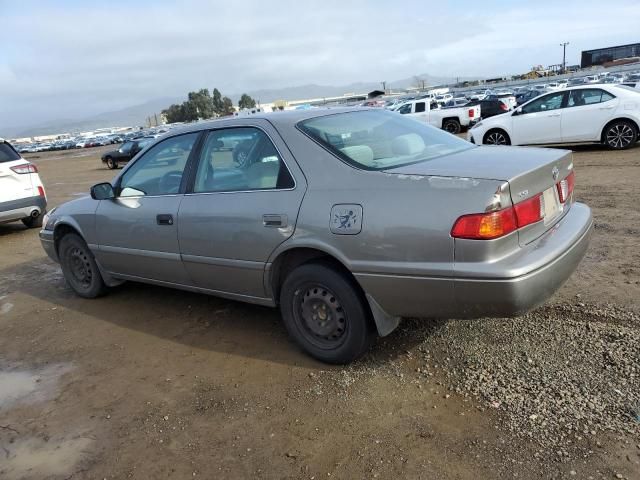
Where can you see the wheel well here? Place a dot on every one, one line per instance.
(60, 232)
(288, 261)
(604, 129)
(450, 118)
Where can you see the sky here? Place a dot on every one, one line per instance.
(70, 59)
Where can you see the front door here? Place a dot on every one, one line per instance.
(587, 111)
(137, 231)
(539, 121)
(244, 203)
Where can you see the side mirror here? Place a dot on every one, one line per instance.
(517, 111)
(102, 191)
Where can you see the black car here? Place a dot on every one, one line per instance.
(528, 95)
(126, 152)
(489, 108)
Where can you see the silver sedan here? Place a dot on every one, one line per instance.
(347, 219)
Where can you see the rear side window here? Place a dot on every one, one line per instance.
(420, 107)
(7, 153)
(588, 96)
(240, 159)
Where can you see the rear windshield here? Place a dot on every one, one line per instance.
(380, 140)
(7, 153)
(628, 88)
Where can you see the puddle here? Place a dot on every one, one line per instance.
(29, 386)
(35, 458)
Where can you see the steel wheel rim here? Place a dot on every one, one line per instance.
(451, 128)
(80, 268)
(496, 138)
(320, 316)
(620, 135)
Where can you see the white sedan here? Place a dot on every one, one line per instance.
(607, 114)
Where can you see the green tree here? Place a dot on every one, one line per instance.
(201, 104)
(175, 113)
(246, 102)
(218, 105)
(227, 106)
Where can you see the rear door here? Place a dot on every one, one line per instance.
(137, 231)
(539, 121)
(587, 111)
(244, 202)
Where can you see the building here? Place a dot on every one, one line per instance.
(601, 56)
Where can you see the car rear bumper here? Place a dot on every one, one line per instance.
(506, 288)
(22, 208)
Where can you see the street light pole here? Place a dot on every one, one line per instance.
(564, 56)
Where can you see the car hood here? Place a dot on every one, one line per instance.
(82, 205)
(485, 162)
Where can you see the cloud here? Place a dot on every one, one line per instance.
(70, 58)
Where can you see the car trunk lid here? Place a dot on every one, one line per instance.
(530, 172)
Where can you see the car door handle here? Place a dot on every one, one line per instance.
(273, 220)
(554, 115)
(610, 107)
(164, 219)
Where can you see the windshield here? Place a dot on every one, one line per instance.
(379, 140)
(7, 153)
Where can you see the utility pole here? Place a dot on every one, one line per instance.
(564, 56)
(384, 86)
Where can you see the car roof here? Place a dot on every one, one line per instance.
(284, 118)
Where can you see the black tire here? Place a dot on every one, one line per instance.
(620, 135)
(496, 137)
(451, 125)
(111, 163)
(31, 222)
(79, 267)
(342, 330)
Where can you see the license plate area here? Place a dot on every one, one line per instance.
(551, 205)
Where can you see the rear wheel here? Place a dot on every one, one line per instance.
(451, 125)
(79, 267)
(620, 135)
(496, 137)
(111, 163)
(326, 314)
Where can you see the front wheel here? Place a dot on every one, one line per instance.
(620, 135)
(496, 137)
(79, 267)
(326, 314)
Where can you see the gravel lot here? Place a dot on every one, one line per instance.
(154, 383)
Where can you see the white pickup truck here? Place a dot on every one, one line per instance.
(450, 119)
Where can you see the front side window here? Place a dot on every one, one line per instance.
(126, 148)
(159, 171)
(380, 140)
(406, 108)
(240, 159)
(588, 96)
(552, 101)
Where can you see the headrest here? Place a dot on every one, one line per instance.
(409, 144)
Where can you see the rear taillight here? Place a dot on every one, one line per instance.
(472, 113)
(490, 225)
(41, 191)
(503, 107)
(565, 187)
(25, 168)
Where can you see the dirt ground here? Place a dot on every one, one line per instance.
(152, 383)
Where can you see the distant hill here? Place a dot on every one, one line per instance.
(137, 114)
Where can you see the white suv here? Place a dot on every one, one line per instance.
(22, 195)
